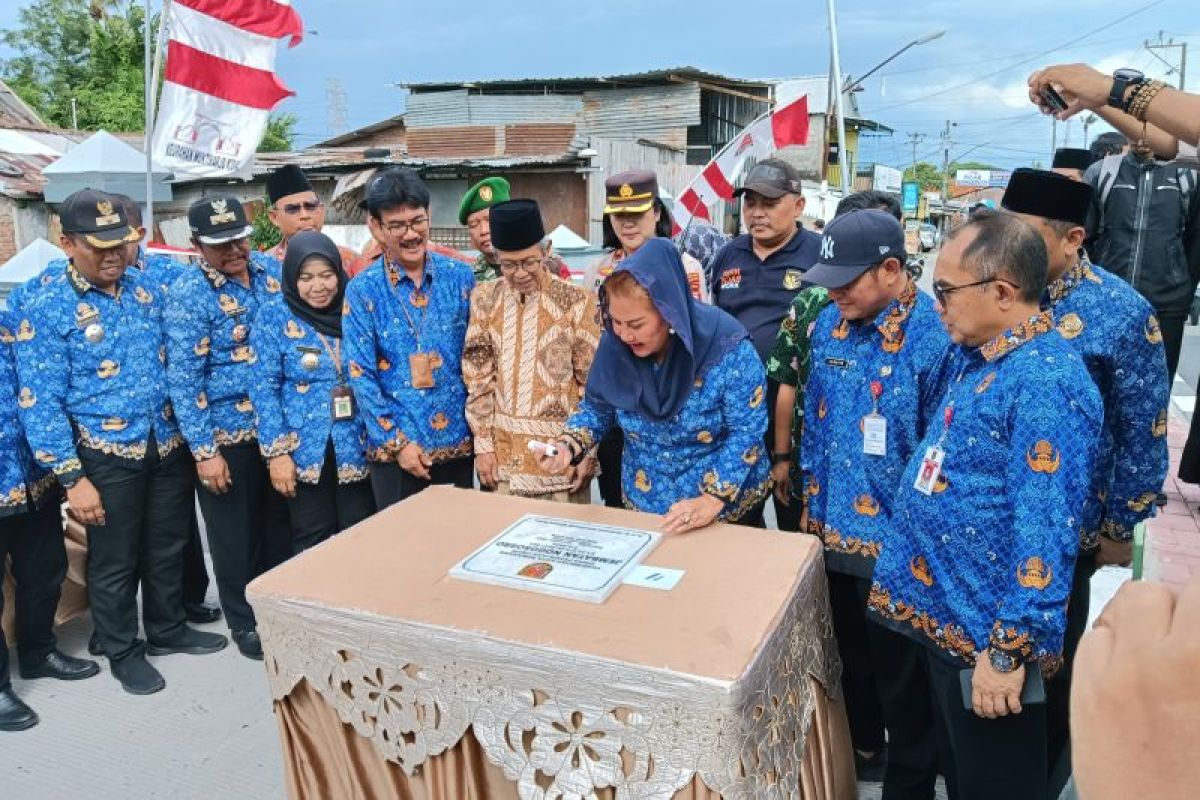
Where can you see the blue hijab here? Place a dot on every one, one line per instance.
(702, 336)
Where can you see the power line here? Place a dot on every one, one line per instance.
(1023, 61)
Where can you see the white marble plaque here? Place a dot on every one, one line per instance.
(562, 557)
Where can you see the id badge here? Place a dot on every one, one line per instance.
(931, 470)
(420, 366)
(343, 403)
(875, 435)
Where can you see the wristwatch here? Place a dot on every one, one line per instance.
(1122, 80)
(1001, 661)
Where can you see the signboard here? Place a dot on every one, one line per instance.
(887, 179)
(561, 557)
(910, 197)
(982, 178)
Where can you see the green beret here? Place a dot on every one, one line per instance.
(484, 194)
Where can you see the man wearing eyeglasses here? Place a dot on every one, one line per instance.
(872, 373)
(296, 207)
(210, 365)
(405, 319)
(978, 564)
(1116, 332)
(528, 317)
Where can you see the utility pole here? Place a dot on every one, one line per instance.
(335, 110)
(1053, 138)
(1171, 44)
(946, 142)
(74, 115)
(915, 139)
(1088, 121)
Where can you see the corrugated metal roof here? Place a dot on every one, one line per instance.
(459, 107)
(21, 175)
(453, 140)
(15, 112)
(662, 113)
(583, 83)
(391, 122)
(538, 139)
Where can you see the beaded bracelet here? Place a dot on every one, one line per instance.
(1142, 98)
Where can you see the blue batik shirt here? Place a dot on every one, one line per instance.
(1114, 330)
(22, 295)
(988, 557)
(387, 319)
(294, 379)
(712, 445)
(850, 493)
(92, 372)
(160, 268)
(211, 361)
(24, 485)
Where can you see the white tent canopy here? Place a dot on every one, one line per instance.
(29, 262)
(563, 238)
(106, 163)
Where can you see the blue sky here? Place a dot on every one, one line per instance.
(972, 75)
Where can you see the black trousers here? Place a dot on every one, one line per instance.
(1172, 323)
(989, 759)
(146, 507)
(34, 542)
(1058, 688)
(391, 484)
(248, 531)
(327, 507)
(195, 573)
(886, 683)
(608, 455)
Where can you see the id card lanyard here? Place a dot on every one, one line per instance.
(875, 425)
(342, 398)
(935, 456)
(420, 363)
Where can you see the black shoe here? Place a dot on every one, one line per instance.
(136, 675)
(201, 613)
(249, 644)
(871, 768)
(14, 714)
(192, 641)
(60, 666)
(94, 645)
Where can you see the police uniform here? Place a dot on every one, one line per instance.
(94, 403)
(982, 549)
(1115, 331)
(210, 368)
(869, 384)
(759, 292)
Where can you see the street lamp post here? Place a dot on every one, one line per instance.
(841, 91)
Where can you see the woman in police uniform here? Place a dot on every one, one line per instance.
(308, 425)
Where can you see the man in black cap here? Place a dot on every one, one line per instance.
(874, 355)
(94, 402)
(757, 275)
(209, 313)
(528, 311)
(1071, 162)
(1114, 330)
(296, 207)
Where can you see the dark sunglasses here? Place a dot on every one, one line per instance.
(942, 291)
(292, 209)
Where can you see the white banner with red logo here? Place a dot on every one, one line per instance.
(781, 128)
(219, 85)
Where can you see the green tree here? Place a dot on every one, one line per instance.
(266, 235)
(926, 174)
(281, 133)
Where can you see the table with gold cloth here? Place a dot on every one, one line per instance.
(392, 679)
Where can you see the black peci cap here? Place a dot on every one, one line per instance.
(516, 225)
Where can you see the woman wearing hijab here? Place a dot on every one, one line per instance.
(308, 423)
(684, 383)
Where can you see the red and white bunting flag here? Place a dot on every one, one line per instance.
(220, 85)
(781, 128)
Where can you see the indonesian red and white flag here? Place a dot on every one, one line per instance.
(781, 128)
(220, 85)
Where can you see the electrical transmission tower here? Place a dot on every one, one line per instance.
(335, 109)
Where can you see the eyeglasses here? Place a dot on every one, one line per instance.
(292, 209)
(400, 228)
(941, 291)
(529, 264)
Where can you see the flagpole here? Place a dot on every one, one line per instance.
(843, 161)
(151, 68)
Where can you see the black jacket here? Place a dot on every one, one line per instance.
(1148, 232)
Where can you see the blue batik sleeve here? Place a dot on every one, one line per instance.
(590, 422)
(1054, 432)
(1140, 456)
(43, 368)
(266, 390)
(189, 343)
(385, 433)
(743, 381)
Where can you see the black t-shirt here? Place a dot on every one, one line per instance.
(759, 293)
